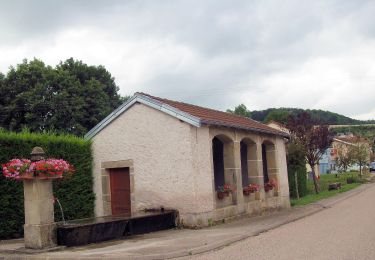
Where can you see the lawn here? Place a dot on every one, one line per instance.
(324, 181)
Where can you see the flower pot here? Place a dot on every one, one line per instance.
(43, 176)
(220, 195)
(27, 176)
(246, 192)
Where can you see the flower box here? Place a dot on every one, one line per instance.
(270, 185)
(250, 189)
(23, 169)
(223, 191)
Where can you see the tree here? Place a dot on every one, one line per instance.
(313, 140)
(296, 170)
(344, 159)
(278, 115)
(72, 97)
(240, 110)
(361, 154)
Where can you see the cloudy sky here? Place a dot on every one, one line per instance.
(310, 54)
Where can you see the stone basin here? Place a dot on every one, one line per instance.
(93, 230)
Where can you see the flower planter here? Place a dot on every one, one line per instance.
(251, 188)
(48, 177)
(223, 191)
(223, 200)
(30, 177)
(221, 195)
(23, 169)
(27, 176)
(267, 188)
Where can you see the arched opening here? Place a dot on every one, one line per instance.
(248, 162)
(244, 164)
(223, 160)
(218, 161)
(269, 161)
(264, 163)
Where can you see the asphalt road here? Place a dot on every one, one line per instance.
(344, 231)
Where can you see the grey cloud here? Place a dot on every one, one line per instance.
(237, 44)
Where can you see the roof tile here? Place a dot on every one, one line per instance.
(215, 117)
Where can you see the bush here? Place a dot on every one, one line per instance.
(296, 164)
(75, 194)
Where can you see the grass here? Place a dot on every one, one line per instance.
(324, 181)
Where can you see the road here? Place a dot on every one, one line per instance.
(344, 231)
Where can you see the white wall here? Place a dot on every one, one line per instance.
(171, 167)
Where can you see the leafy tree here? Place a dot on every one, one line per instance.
(344, 159)
(361, 155)
(313, 140)
(280, 116)
(240, 110)
(296, 170)
(72, 97)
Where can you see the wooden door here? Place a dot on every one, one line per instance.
(120, 191)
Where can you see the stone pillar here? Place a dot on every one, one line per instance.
(259, 166)
(255, 164)
(39, 228)
(238, 174)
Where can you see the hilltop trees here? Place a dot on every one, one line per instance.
(71, 97)
(240, 110)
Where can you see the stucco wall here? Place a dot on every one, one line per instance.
(170, 167)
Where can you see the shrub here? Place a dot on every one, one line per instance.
(75, 194)
(296, 164)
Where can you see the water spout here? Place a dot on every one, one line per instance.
(61, 209)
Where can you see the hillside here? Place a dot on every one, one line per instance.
(367, 131)
(320, 116)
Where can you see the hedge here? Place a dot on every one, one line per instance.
(296, 164)
(75, 194)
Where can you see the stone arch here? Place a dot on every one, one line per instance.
(249, 170)
(269, 161)
(223, 160)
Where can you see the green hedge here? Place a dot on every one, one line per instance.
(75, 194)
(296, 164)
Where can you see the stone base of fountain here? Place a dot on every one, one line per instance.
(94, 230)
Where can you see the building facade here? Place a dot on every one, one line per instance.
(156, 153)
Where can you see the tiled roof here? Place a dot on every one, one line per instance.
(214, 117)
(350, 139)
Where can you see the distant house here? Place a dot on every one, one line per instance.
(342, 143)
(153, 152)
(279, 126)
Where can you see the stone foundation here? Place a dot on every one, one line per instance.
(220, 215)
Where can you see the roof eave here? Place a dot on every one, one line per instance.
(139, 98)
(251, 129)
